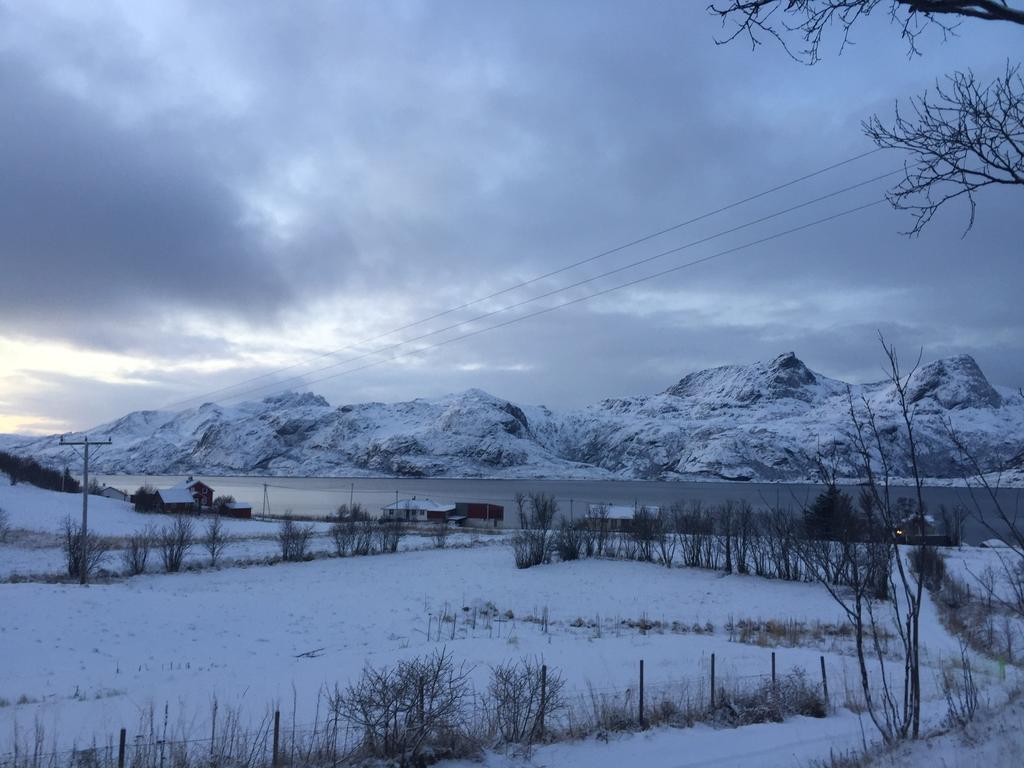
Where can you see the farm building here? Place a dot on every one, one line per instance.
(114, 493)
(238, 509)
(615, 517)
(201, 492)
(176, 500)
(481, 514)
(419, 510)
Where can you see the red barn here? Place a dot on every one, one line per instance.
(478, 513)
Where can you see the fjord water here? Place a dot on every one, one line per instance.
(321, 496)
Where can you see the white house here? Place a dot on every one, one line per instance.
(417, 510)
(114, 493)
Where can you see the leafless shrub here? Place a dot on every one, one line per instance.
(960, 691)
(569, 540)
(771, 702)
(215, 541)
(294, 540)
(520, 698)
(929, 564)
(388, 534)
(647, 533)
(136, 551)
(81, 553)
(532, 544)
(5, 525)
(175, 540)
(440, 534)
(343, 534)
(414, 712)
(363, 535)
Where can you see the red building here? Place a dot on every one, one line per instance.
(487, 515)
(201, 493)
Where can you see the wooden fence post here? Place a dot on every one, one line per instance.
(712, 681)
(120, 748)
(277, 736)
(773, 667)
(824, 682)
(641, 693)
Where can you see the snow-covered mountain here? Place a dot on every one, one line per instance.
(765, 421)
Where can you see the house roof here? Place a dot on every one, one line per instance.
(425, 505)
(175, 495)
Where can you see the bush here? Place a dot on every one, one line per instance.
(343, 534)
(793, 694)
(175, 540)
(83, 554)
(416, 710)
(220, 504)
(441, 534)
(146, 499)
(519, 700)
(363, 536)
(389, 534)
(930, 565)
(215, 541)
(569, 541)
(294, 540)
(136, 551)
(5, 525)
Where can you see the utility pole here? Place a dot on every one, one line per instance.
(83, 570)
(351, 495)
(265, 500)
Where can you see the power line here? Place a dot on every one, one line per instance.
(355, 345)
(302, 379)
(611, 289)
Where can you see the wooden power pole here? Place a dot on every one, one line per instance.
(86, 443)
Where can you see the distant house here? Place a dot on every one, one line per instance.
(481, 514)
(419, 510)
(176, 500)
(238, 509)
(114, 493)
(201, 492)
(615, 517)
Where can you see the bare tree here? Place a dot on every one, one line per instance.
(215, 540)
(81, 552)
(966, 136)
(874, 450)
(294, 539)
(136, 551)
(175, 540)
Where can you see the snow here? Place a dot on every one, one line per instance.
(176, 495)
(88, 661)
(418, 505)
(763, 421)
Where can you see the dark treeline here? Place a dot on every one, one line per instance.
(24, 470)
(835, 539)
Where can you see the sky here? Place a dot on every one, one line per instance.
(195, 194)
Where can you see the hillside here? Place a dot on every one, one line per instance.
(764, 421)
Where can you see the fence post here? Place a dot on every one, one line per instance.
(641, 693)
(277, 736)
(120, 748)
(773, 667)
(712, 681)
(824, 682)
(543, 696)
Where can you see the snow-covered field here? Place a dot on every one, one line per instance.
(84, 662)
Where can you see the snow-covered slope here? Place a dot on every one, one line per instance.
(763, 421)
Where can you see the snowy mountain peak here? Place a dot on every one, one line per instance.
(297, 400)
(738, 385)
(954, 383)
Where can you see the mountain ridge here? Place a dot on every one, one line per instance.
(761, 421)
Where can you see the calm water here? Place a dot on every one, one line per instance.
(320, 497)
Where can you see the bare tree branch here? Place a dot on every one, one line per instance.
(962, 138)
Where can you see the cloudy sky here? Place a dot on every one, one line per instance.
(195, 194)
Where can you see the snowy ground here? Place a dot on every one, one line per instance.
(84, 662)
